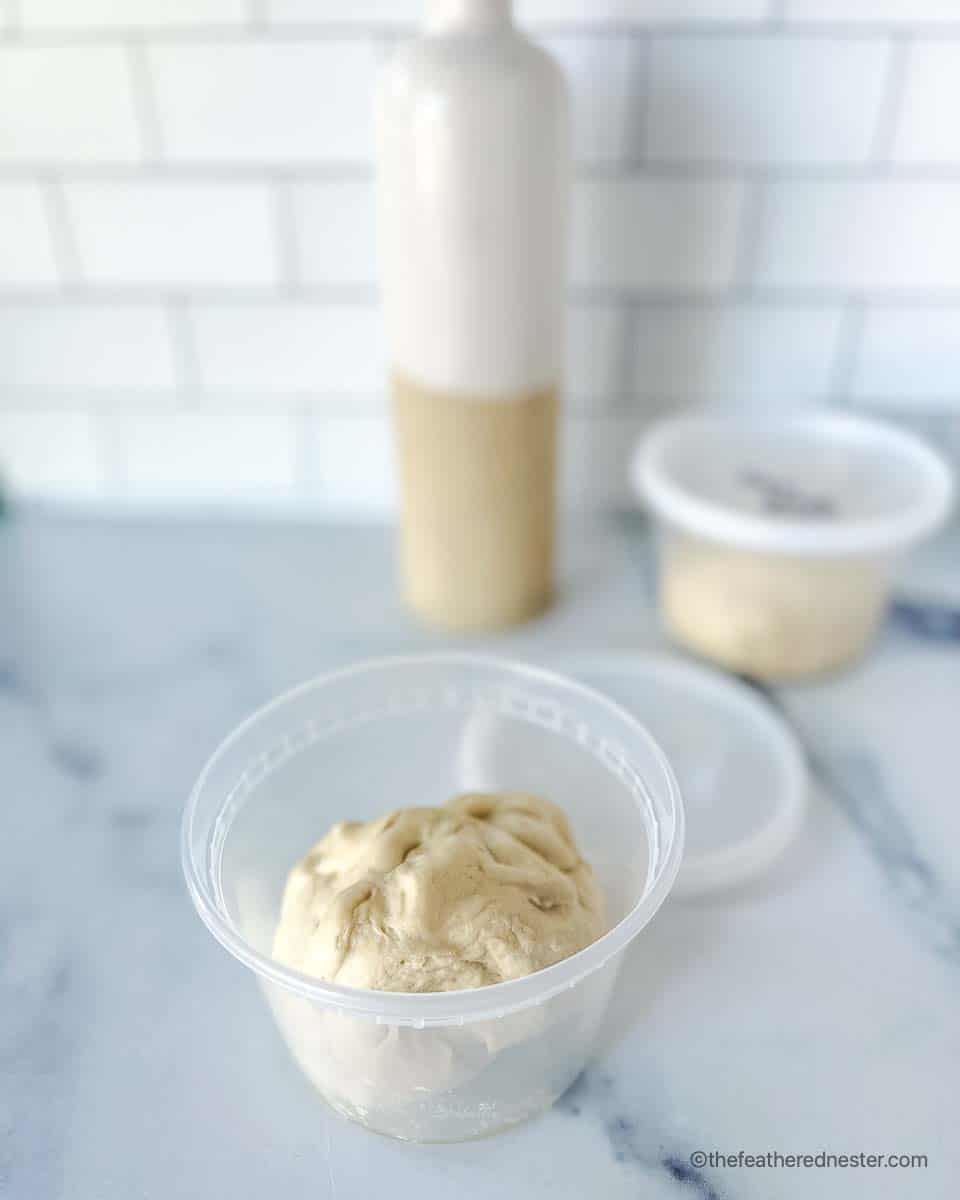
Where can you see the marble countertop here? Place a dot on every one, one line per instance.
(817, 1010)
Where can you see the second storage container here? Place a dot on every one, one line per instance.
(778, 541)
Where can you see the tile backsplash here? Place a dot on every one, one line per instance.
(766, 214)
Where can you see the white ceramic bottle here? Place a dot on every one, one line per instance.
(473, 181)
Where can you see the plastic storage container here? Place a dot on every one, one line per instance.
(451, 1065)
(778, 541)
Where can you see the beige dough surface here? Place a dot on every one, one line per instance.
(485, 889)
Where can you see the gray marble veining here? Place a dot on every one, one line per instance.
(852, 776)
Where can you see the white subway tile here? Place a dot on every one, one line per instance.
(349, 465)
(197, 456)
(130, 14)
(928, 130)
(335, 231)
(595, 461)
(363, 12)
(66, 104)
(603, 77)
(909, 355)
(655, 232)
(741, 352)
(289, 347)
(265, 102)
(584, 463)
(165, 233)
(873, 12)
(26, 247)
(673, 12)
(579, 12)
(764, 99)
(77, 346)
(596, 368)
(860, 234)
(51, 455)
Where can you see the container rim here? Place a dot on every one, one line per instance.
(654, 481)
(736, 702)
(421, 1009)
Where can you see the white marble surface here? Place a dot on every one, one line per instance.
(817, 1010)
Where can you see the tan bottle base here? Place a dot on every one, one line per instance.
(487, 622)
(477, 481)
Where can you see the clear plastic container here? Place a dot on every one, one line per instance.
(778, 542)
(449, 1065)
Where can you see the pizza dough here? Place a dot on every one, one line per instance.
(770, 616)
(486, 889)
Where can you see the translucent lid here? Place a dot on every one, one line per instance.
(740, 769)
(823, 483)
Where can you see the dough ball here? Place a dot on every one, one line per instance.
(487, 888)
(770, 616)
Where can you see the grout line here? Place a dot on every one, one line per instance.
(286, 237)
(650, 169)
(579, 296)
(626, 352)
(888, 117)
(189, 376)
(364, 406)
(706, 169)
(931, 406)
(846, 354)
(765, 296)
(636, 126)
(93, 399)
(752, 215)
(254, 28)
(359, 31)
(304, 431)
(300, 429)
(109, 435)
(207, 172)
(12, 28)
(776, 21)
(730, 298)
(66, 251)
(145, 101)
(777, 13)
(361, 295)
(191, 506)
(827, 172)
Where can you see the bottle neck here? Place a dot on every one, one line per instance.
(467, 16)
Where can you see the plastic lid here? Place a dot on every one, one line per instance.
(741, 772)
(818, 484)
